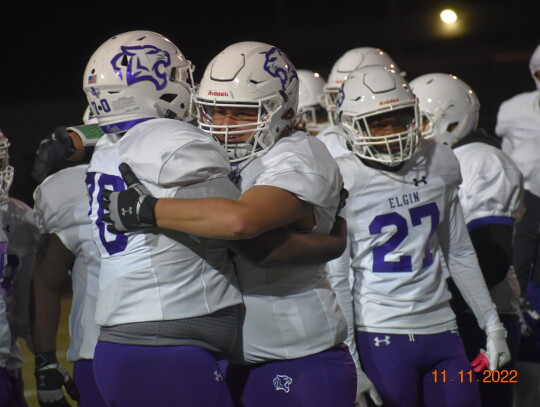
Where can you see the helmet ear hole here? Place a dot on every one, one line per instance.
(168, 97)
(451, 127)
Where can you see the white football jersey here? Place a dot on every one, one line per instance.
(5, 334)
(518, 123)
(156, 274)
(491, 192)
(61, 206)
(292, 311)
(23, 235)
(400, 224)
(334, 138)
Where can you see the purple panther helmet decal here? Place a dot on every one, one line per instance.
(340, 97)
(278, 65)
(142, 63)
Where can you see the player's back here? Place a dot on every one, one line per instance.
(150, 275)
(61, 207)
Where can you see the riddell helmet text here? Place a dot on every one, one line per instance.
(385, 102)
(217, 93)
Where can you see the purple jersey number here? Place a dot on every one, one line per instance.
(101, 182)
(416, 214)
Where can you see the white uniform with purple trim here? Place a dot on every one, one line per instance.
(491, 192)
(292, 311)
(398, 223)
(148, 276)
(518, 124)
(61, 207)
(335, 140)
(23, 235)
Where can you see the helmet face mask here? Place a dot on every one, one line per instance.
(243, 76)
(136, 76)
(450, 106)
(7, 172)
(311, 93)
(381, 115)
(233, 136)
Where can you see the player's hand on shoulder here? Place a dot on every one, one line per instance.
(51, 378)
(57, 146)
(130, 209)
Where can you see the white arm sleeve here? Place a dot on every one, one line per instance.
(339, 271)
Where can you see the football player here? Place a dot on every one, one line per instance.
(403, 214)
(332, 136)
(290, 350)
(6, 393)
(518, 123)
(310, 91)
(22, 234)
(66, 249)
(491, 199)
(167, 302)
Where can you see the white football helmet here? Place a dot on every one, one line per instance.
(351, 60)
(369, 95)
(311, 89)
(6, 171)
(448, 105)
(136, 76)
(249, 75)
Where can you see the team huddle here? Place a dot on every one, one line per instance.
(269, 238)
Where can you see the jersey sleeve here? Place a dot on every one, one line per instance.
(55, 201)
(306, 169)
(492, 185)
(169, 154)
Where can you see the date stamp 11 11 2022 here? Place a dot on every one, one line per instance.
(469, 376)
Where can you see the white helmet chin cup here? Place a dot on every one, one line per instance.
(449, 107)
(7, 172)
(249, 75)
(311, 92)
(135, 76)
(351, 60)
(370, 94)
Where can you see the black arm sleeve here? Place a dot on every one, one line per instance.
(493, 246)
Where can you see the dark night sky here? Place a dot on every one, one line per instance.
(45, 48)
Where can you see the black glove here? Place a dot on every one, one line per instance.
(50, 378)
(56, 147)
(343, 195)
(130, 209)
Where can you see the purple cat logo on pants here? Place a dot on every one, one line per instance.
(278, 65)
(142, 64)
(282, 382)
